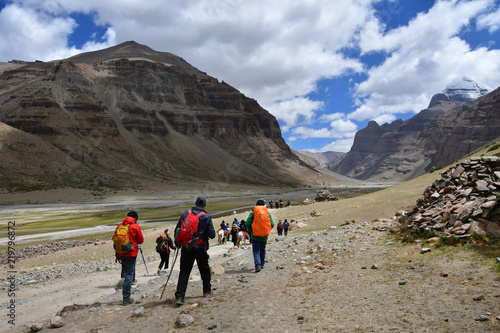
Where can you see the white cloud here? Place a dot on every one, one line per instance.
(276, 51)
(296, 111)
(490, 21)
(341, 146)
(422, 58)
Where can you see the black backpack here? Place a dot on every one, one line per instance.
(162, 244)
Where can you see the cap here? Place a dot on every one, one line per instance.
(201, 201)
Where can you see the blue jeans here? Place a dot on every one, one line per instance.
(129, 270)
(259, 253)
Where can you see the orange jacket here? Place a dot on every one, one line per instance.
(135, 235)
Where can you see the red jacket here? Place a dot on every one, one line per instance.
(135, 235)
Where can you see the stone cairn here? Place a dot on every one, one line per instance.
(325, 195)
(462, 203)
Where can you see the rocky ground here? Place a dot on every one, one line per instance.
(354, 277)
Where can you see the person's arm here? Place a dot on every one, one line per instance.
(170, 243)
(272, 222)
(248, 222)
(140, 236)
(210, 228)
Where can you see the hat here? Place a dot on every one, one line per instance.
(201, 201)
(261, 202)
(133, 214)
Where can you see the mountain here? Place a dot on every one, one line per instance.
(130, 115)
(433, 138)
(461, 89)
(322, 159)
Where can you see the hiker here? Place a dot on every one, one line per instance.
(236, 222)
(223, 225)
(286, 225)
(234, 233)
(271, 203)
(243, 226)
(279, 227)
(128, 258)
(194, 249)
(163, 245)
(259, 224)
(288, 203)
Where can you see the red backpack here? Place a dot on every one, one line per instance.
(188, 236)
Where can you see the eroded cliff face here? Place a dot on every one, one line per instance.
(431, 139)
(149, 116)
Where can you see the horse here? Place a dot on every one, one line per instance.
(221, 236)
(241, 237)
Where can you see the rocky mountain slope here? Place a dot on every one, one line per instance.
(433, 138)
(321, 160)
(131, 115)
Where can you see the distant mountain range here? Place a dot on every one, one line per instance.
(459, 120)
(129, 115)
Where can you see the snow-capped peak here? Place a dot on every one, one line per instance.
(464, 89)
(461, 89)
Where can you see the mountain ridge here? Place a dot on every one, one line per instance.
(150, 117)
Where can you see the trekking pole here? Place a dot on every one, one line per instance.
(144, 260)
(171, 269)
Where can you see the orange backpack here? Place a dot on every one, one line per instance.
(261, 225)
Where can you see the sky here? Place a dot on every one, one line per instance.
(323, 68)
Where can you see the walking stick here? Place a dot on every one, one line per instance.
(144, 261)
(171, 269)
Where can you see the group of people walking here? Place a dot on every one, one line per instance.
(191, 237)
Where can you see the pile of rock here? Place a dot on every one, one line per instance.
(43, 249)
(325, 195)
(463, 202)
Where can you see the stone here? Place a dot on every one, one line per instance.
(482, 186)
(217, 269)
(36, 327)
(184, 320)
(479, 298)
(425, 250)
(56, 322)
(139, 311)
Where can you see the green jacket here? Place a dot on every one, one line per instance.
(248, 224)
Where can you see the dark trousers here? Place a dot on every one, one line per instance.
(164, 260)
(280, 232)
(286, 231)
(187, 261)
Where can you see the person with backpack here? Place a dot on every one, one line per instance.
(259, 224)
(192, 233)
(126, 240)
(286, 225)
(163, 245)
(279, 227)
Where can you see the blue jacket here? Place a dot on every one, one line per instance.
(205, 226)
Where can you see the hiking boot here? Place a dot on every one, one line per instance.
(179, 301)
(127, 301)
(257, 270)
(207, 294)
(158, 271)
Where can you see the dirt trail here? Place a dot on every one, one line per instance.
(353, 278)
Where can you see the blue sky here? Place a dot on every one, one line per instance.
(324, 68)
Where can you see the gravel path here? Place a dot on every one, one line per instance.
(351, 278)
